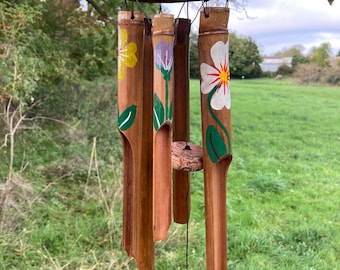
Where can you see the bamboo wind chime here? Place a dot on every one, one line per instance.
(153, 120)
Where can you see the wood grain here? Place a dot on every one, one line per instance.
(186, 156)
(181, 119)
(214, 28)
(133, 89)
(162, 31)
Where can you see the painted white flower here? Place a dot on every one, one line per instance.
(217, 76)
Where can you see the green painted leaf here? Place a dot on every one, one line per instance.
(158, 112)
(170, 111)
(126, 119)
(215, 144)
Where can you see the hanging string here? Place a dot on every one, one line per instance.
(187, 147)
(180, 11)
(126, 5)
(132, 12)
(198, 11)
(141, 8)
(187, 236)
(187, 9)
(226, 3)
(205, 10)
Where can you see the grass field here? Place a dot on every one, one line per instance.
(283, 191)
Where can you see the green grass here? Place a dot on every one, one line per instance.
(283, 191)
(284, 182)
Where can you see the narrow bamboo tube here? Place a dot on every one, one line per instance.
(145, 246)
(216, 132)
(162, 39)
(181, 123)
(135, 129)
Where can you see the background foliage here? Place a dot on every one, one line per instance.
(244, 57)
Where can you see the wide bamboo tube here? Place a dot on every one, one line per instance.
(134, 85)
(181, 122)
(163, 40)
(216, 131)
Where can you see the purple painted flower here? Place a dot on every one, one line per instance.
(164, 57)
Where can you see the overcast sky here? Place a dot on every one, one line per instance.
(278, 24)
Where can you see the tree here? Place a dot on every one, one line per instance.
(292, 51)
(62, 45)
(321, 55)
(244, 57)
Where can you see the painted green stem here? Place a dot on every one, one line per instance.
(166, 99)
(210, 95)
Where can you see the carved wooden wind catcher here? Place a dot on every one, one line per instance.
(153, 120)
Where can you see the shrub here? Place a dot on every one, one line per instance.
(308, 73)
(314, 74)
(284, 70)
(268, 74)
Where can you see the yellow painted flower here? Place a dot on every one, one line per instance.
(126, 54)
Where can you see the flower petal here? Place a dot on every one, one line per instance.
(220, 53)
(131, 58)
(210, 78)
(163, 55)
(121, 70)
(220, 100)
(122, 38)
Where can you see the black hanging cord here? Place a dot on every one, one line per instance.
(180, 11)
(187, 146)
(126, 5)
(205, 9)
(132, 12)
(198, 11)
(187, 9)
(142, 9)
(187, 235)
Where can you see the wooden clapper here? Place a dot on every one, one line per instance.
(153, 120)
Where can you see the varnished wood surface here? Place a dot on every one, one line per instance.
(213, 28)
(186, 156)
(137, 237)
(162, 31)
(181, 120)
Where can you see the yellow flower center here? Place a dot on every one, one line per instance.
(224, 76)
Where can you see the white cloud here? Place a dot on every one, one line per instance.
(282, 23)
(275, 24)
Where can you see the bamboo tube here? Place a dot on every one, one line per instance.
(132, 120)
(181, 132)
(145, 248)
(216, 129)
(163, 40)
